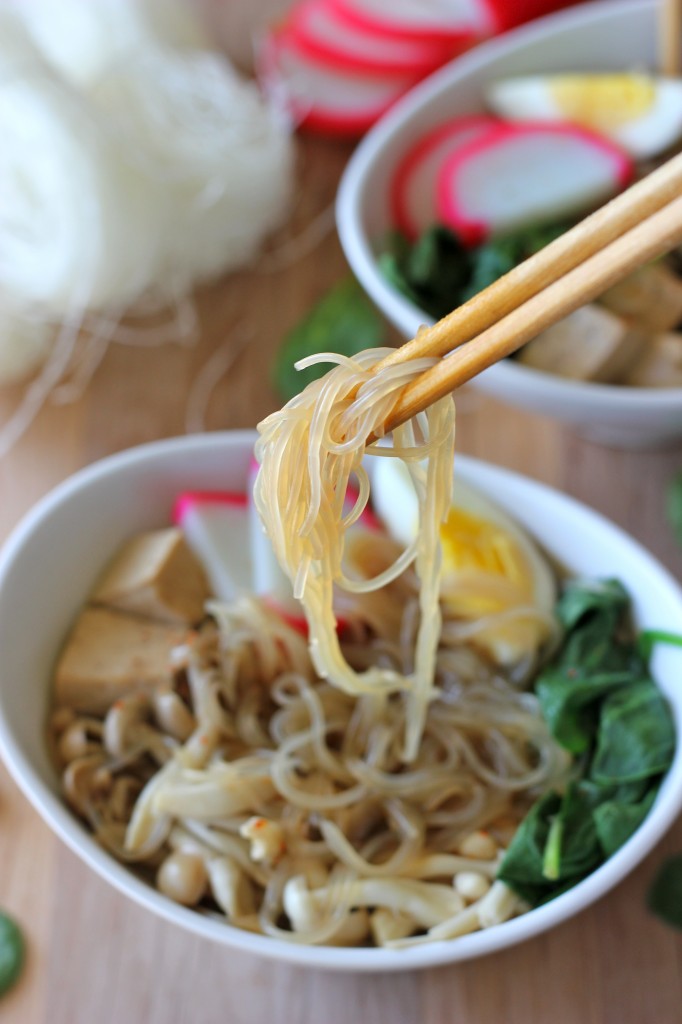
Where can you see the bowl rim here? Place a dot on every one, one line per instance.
(358, 249)
(75, 835)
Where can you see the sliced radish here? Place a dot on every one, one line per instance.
(331, 38)
(216, 525)
(413, 189)
(505, 15)
(224, 531)
(323, 99)
(458, 21)
(517, 175)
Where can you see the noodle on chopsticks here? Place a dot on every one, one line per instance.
(309, 451)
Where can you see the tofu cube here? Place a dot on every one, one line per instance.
(589, 344)
(660, 363)
(652, 297)
(157, 575)
(109, 654)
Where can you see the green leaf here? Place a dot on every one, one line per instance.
(551, 861)
(570, 704)
(431, 272)
(11, 952)
(582, 597)
(497, 257)
(344, 320)
(599, 634)
(598, 656)
(490, 262)
(579, 850)
(674, 505)
(664, 897)
(524, 860)
(391, 267)
(599, 702)
(616, 820)
(437, 273)
(522, 867)
(535, 847)
(636, 736)
(647, 640)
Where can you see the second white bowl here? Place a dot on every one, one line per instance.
(578, 39)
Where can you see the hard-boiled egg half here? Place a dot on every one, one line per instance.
(641, 112)
(496, 583)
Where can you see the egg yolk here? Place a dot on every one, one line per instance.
(476, 546)
(603, 101)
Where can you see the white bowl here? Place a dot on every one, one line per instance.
(50, 562)
(620, 34)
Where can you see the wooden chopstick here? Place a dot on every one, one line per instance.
(669, 36)
(546, 266)
(656, 234)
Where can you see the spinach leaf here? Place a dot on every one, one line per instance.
(438, 273)
(490, 262)
(563, 839)
(432, 272)
(528, 864)
(636, 736)
(582, 597)
(344, 320)
(599, 638)
(498, 256)
(648, 638)
(11, 952)
(522, 866)
(599, 702)
(665, 894)
(570, 704)
(576, 850)
(597, 657)
(616, 820)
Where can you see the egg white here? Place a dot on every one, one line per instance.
(530, 98)
(395, 502)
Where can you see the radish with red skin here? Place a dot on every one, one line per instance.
(413, 189)
(319, 31)
(216, 527)
(505, 15)
(224, 530)
(515, 175)
(461, 22)
(324, 99)
(188, 499)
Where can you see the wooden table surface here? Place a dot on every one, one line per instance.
(93, 956)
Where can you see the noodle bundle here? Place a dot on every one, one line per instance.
(303, 509)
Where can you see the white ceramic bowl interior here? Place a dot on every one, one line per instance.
(620, 34)
(50, 562)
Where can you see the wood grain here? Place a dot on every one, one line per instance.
(93, 955)
(669, 33)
